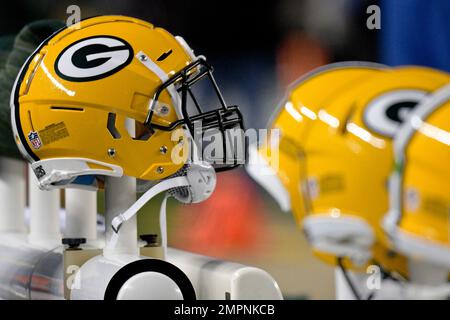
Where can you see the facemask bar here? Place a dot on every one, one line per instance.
(401, 142)
(224, 119)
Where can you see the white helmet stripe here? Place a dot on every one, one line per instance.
(153, 67)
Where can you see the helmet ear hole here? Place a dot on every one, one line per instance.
(143, 133)
(111, 125)
(130, 125)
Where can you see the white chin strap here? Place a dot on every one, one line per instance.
(163, 224)
(200, 180)
(164, 185)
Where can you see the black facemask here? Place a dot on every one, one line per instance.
(223, 126)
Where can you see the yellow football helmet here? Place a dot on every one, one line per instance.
(349, 160)
(335, 159)
(280, 173)
(418, 222)
(108, 99)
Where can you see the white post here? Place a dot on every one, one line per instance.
(81, 214)
(426, 273)
(343, 291)
(12, 196)
(120, 194)
(342, 287)
(44, 213)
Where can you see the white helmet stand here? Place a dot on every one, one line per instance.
(23, 254)
(422, 272)
(38, 245)
(343, 290)
(125, 271)
(426, 281)
(81, 215)
(12, 197)
(44, 208)
(93, 273)
(120, 272)
(120, 194)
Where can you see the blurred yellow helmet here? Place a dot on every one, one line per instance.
(108, 98)
(349, 160)
(418, 222)
(335, 159)
(280, 173)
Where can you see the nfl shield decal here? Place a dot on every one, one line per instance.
(33, 136)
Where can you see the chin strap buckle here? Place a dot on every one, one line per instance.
(146, 197)
(117, 223)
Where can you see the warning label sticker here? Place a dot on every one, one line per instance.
(53, 132)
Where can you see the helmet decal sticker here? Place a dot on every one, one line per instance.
(385, 113)
(332, 182)
(93, 58)
(53, 133)
(35, 141)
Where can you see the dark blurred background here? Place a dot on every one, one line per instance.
(250, 43)
(257, 49)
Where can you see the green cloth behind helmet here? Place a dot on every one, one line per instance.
(13, 55)
(7, 145)
(6, 45)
